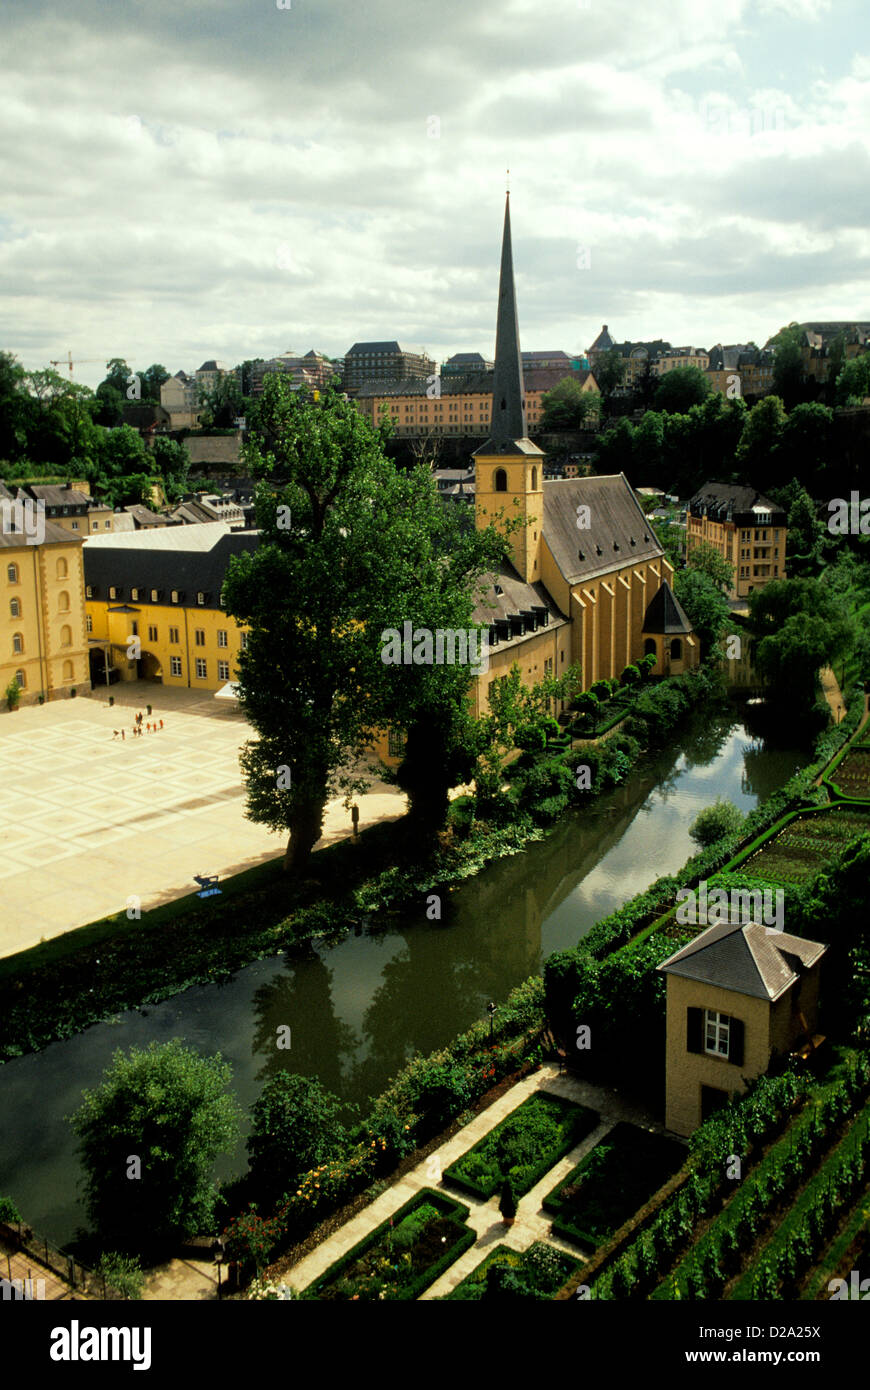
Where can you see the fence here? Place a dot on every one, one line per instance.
(67, 1268)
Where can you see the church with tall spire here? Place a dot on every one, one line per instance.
(588, 582)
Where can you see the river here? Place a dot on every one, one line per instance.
(357, 1010)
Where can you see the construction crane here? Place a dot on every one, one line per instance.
(68, 361)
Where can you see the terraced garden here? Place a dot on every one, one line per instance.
(851, 777)
(620, 1174)
(536, 1273)
(807, 844)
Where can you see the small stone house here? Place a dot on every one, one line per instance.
(737, 996)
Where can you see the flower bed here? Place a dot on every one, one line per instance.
(403, 1256)
(541, 1271)
(807, 844)
(523, 1147)
(620, 1174)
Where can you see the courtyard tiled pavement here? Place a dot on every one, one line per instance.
(86, 820)
(532, 1222)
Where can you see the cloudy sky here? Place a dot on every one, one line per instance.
(232, 179)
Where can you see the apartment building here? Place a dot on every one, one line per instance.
(743, 526)
(154, 609)
(464, 404)
(43, 645)
(388, 362)
(311, 370)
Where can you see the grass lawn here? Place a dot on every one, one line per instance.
(542, 1268)
(403, 1256)
(525, 1146)
(608, 1186)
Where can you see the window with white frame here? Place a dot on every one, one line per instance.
(201, 669)
(175, 665)
(222, 637)
(223, 670)
(717, 1028)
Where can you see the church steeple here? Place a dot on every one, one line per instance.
(508, 415)
(508, 468)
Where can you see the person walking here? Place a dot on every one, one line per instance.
(123, 736)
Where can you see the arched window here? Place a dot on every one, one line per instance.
(14, 608)
(21, 679)
(649, 647)
(66, 636)
(63, 601)
(12, 574)
(17, 642)
(500, 480)
(534, 480)
(676, 649)
(67, 670)
(61, 569)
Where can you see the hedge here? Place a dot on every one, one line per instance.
(542, 1109)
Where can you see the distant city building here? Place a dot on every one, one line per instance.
(178, 397)
(208, 376)
(463, 405)
(741, 369)
(745, 527)
(465, 364)
(72, 509)
(311, 370)
(387, 362)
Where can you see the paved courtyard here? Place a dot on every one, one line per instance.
(88, 820)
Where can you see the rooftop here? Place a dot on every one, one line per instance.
(745, 957)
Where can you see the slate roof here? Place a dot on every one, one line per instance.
(730, 502)
(159, 560)
(57, 495)
(143, 516)
(619, 533)
(604, 342)
(515, 597)
(54, 535)
(363, 349)
(665, 614)
(507, 423)
(745, 957)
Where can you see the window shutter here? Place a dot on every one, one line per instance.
(735, 1045)
(694, 1030)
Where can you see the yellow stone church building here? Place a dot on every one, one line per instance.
(588, 581)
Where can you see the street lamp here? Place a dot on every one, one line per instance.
(218, 1252)
(491, 1011)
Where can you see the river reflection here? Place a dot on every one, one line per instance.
(357, 1011)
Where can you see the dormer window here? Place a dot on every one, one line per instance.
(89, 593)
(174, 595)
(134, 594)
(113, 592)
(598, 550)
(154, 595)
(580, 555)
(200, 598)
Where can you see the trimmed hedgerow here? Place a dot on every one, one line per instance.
(539, 1272)
(523, 1147)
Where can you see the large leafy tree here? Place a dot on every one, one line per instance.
(168, 1108)
(789, 380)
(568, 406)
(806, 446)
(758, 449)
(706, 559)
(706, 606)
(350, 547)
(798, 626)
(682, 388)
(609, 372)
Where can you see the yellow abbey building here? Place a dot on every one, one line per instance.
(589, 582)
(154, 608)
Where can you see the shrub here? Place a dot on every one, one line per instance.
(715, 821)
(630, 676)
(13, 694)
(294, 1126)
(508, 1202)
(9, 1213)
(122, 1273)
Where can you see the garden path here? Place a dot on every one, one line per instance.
(531, 1224)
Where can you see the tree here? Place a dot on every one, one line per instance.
(152, 379)
(122, 452)
(807, 443)
(117, 375)
(172, 462)
(798, 626)
(514, 707)
(148, 1137)
(706, 559)
(109, 405)
(853, 381)
(705, 604)
(806, 532)
(221, 406)
(507, 1202)
(609, 373)
(15, 408)
(369, 548)
(13, 694)
(789, 381)
(294, 1127)
(568, 406)
(757, 449)
(122, 1273)
(715, 821)
(836, 362)
(681, 388)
